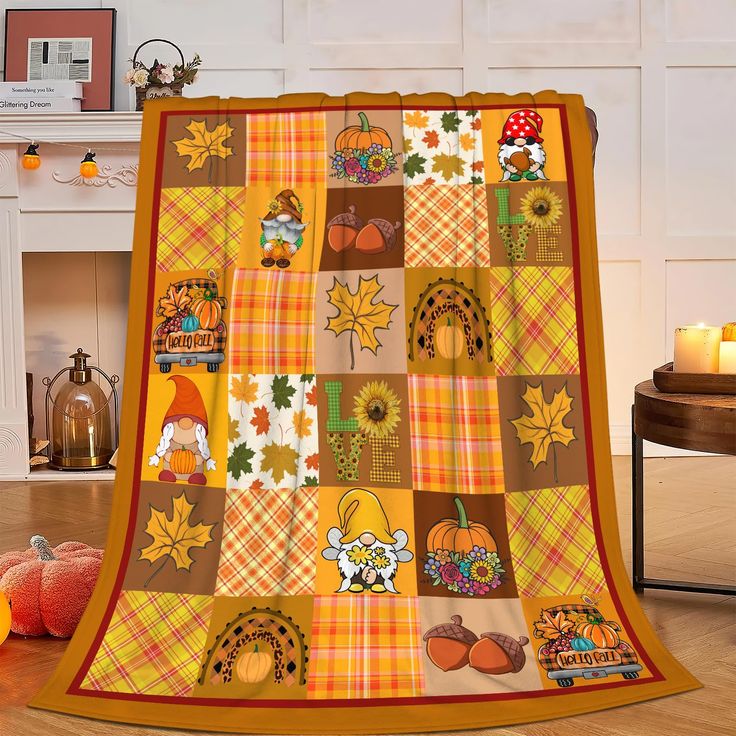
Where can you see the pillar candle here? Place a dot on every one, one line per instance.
(696, 349)
(727, 361)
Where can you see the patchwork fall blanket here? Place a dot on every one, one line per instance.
(365, 481)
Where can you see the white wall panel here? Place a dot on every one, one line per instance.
(340, 81)
(701, 156)
(695, 20)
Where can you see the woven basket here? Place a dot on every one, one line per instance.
(154, 91)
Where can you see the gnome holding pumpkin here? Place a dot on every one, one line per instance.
(183, 444)
(282, 229)
(521, 154)
(367, 552)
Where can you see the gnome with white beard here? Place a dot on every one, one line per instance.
(367, 552)
(282, 229)
(183, 446)
(521, 154)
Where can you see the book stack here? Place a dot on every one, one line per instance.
(40, 96)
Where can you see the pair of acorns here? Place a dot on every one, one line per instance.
(347, 230)
(452, 646)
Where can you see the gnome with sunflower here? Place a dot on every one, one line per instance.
(282, 229)
(367, 552)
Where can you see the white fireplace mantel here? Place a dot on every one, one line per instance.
(52, 209)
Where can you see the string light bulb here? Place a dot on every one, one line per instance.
(31, 159)
(88, 165)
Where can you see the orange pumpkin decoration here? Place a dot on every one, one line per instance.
(253, 666)
(449, 340)
(182, 462)
(31, 159)
(729, 332)
(48, 589)
(88, 166)
(207, 310)
(602, 633)
(362, 136)
(460, 535)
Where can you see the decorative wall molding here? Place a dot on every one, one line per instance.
(71, 127)
(106, 177)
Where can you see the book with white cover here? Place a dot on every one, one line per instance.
(45, 88)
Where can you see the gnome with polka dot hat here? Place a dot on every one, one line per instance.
(521, 154)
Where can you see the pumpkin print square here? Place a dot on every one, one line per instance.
(575, 635)
(257, 648)
(443, 147)
(272, 322)
(474, 647)
(365, 148)
(455, 434)
(152, 645)
(364, 430)
(534, 320)
(462, 546)
(178, 532)
(365, 647)
(199, 228)
(272, 431)
(553, 544)
(448, 321)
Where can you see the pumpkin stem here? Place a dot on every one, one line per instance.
(364, 126)
(255, 648)
(42, 547)
(462, 515)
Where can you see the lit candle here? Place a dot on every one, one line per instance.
(727, 361)
(91, 431)
(696, 349)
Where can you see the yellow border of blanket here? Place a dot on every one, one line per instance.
(386, 719)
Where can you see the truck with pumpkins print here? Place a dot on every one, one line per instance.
(580, 643)
(192, 330)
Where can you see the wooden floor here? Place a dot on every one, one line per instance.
(691, 534)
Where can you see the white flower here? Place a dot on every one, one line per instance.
(128, 78)
(166, 74)
(140, 77)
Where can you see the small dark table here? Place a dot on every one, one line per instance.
(702, 422)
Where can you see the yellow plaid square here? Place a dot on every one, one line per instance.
(446, 225)
(153, 644)
(286, 149)
(365, 647)
(553, 545)
(455, 434)
(199, 227)
(533, 320)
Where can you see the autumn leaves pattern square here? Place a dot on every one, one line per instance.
(365, 470)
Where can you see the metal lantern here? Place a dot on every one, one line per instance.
(81, 420)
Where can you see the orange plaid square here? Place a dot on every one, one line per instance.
(199, 227)
(272, 322)
(286, 149)
(455, 434)
(268, 543)
(446, 225)
(365, 647)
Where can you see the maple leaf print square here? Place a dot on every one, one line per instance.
(442, 147)
(272, 431)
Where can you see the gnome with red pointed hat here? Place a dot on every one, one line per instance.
(521, 154)
(183, 444)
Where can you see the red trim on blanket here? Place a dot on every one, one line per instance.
(75, 687)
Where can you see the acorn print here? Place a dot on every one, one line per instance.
(449, 645)
(497, 654)
(343, 229)
(377, 236)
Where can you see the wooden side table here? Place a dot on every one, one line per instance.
(702, 422)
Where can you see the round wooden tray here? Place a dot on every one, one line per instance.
(665, 379)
